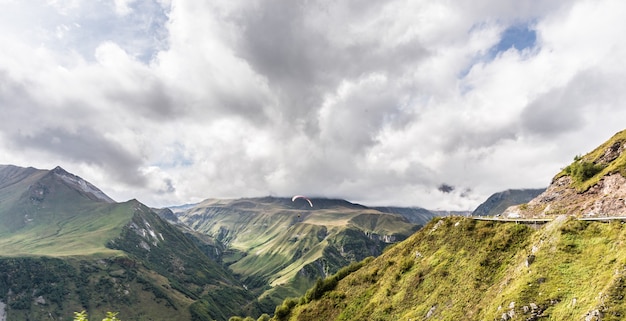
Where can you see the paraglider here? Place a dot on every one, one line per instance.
(293, 199)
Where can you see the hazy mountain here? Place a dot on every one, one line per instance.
(279, 247)
(65, 246)
(415, 215)
(498, 202)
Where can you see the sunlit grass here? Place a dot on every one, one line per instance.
(84, 232)
(459, 269)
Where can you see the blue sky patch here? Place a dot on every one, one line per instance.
(519, 37)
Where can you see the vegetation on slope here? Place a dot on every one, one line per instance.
(39, 288)
(65, 247)
(462, 269)
(606, 159)
(42, 215)
(279, 248)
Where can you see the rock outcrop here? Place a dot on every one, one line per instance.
(594, 185)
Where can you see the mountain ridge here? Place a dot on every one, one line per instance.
(497, 203)
(279, 247)
(65, 246)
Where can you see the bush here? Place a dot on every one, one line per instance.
(581, 170)
(282, 311)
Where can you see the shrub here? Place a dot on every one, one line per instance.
(282, 311)
(582, 170)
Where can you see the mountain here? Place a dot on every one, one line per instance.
(66, 246)
(278, 247)
(594, 185)
(465, 268)
(499, 202)
(459, 268)
(416, 215)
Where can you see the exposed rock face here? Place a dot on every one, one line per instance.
(605, 198)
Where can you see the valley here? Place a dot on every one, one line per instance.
(65, 246)
(557, 253)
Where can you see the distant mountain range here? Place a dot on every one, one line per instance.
(278, 248)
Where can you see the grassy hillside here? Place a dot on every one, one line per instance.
(462, 269)
(42, 215)
(65, 246)
(279, 247)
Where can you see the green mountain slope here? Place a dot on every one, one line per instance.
(65, 246)
(55, 213)
(279, 247)
(462, 269)
(459, 268)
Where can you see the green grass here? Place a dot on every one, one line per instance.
(84, 231)
(460, 269)
(582, 181)
(287, 249)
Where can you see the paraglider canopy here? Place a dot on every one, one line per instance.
(293, 199)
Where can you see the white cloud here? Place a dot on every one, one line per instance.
(381, 103)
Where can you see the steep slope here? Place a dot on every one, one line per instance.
(65, 246)
(280, 247)
(594, 185)
(497, 203)
(55, 213)
(463, 269)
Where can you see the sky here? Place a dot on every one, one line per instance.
(434, 104)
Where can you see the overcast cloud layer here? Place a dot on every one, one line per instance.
(411, 103)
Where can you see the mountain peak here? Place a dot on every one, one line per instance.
(81, 185)
(58, 169)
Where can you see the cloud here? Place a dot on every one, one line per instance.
(175, 101)
(84, 146)
(445, 188)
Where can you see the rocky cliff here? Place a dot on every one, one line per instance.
(594, 185)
